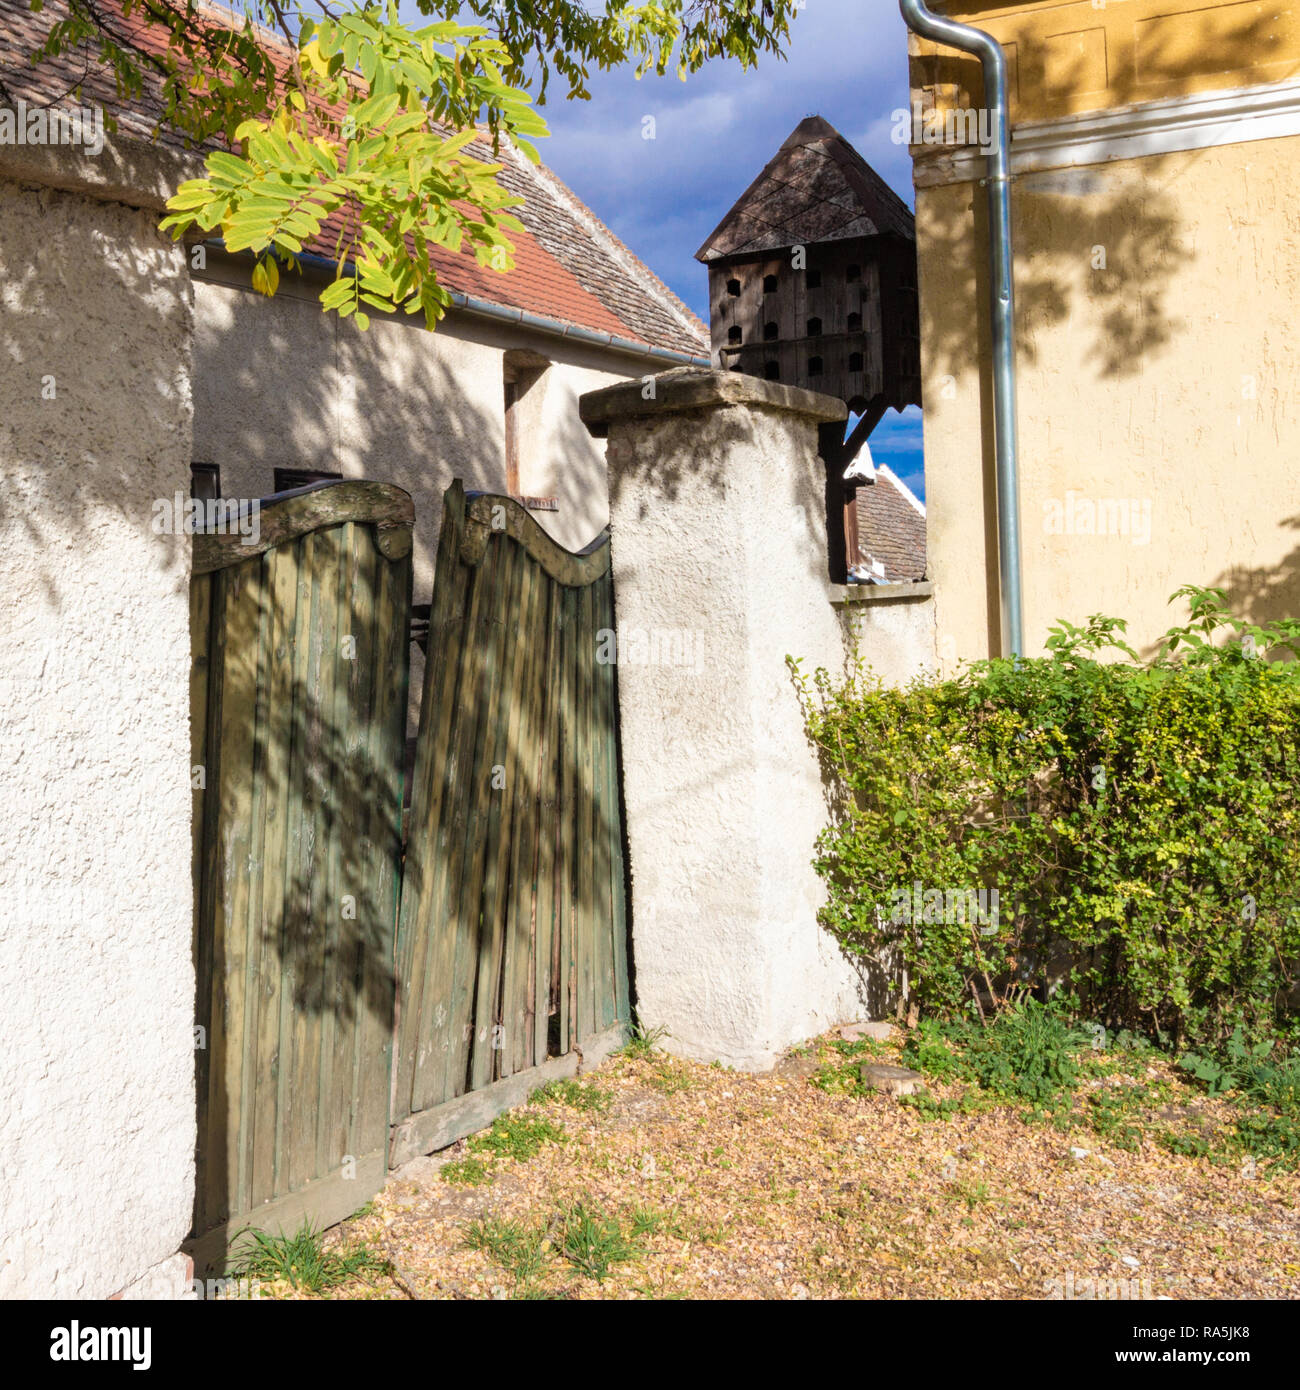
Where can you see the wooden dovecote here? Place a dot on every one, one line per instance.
(812, 277)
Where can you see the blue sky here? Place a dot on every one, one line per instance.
(847, 62)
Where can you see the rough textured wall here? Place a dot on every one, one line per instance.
(1157, 391)
(719, 536)
(895, 636)
(277, 383)
(97, 1076)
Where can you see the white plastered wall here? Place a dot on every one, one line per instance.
(96, 980)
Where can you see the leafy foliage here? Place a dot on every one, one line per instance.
(1140, 823)
(344, 121)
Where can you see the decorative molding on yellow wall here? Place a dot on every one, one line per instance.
(1193, 122)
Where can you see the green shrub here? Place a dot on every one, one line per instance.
(1133, 827)
(1028, 1053)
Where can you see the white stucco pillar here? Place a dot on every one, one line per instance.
(719, 551)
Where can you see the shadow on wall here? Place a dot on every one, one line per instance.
(1079, 242)
(678, 464)
(1140, 231)
(59, 288)
(1266, 593)
(279, 384)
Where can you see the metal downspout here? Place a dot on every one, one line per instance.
(986, 48)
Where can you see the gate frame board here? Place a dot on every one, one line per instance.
(523, 892)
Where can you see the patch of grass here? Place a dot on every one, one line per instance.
(643, 1042)
(1265, 1079)
(932, 1107)
(302, 1260)
(466, 1172)
(839, 1079)
(577, 1095)
(367, 1210)
(519, 1249)
(645, 1221)
(669, 1077)
(1115, 1113)
(860, 1047)
(973, 1191)
(516, 1136)
(592, 1241)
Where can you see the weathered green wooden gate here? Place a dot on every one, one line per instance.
(298, 692)
(512, 945)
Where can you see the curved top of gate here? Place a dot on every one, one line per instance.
(489, 513)
(285, 516)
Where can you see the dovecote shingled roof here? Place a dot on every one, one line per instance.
(568, 266)
(816, 188)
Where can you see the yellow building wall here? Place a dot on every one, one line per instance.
(1157, 306)
(1098, 54)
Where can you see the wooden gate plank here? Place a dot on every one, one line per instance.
(517, 930)
(308, 945)
(424, 876)
(281, 580)
(566, 822)
(544, 897)
(614, 821)
(503, 759)
(430, 1041)
(386, 742)
(466, 906)
(584, 881)
(602, 896)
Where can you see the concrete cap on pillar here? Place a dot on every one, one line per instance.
(699, 388)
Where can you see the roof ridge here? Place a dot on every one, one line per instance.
(901, 487)
(682, 312)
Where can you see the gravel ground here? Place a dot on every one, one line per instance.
(725, 1185)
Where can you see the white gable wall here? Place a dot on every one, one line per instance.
(278, 383)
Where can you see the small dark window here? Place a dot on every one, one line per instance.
(733, 287)
(814, 280)
(855, 361)
(814, 366)
(769, 284)
(771, 371)
(855, 323)
(733, 333)
(289, 478)
(814, 328)
(854, 272)
(770, 332)
(205, 481)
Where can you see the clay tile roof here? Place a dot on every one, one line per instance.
(816, 187)
(568, 265)
(891, 528)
